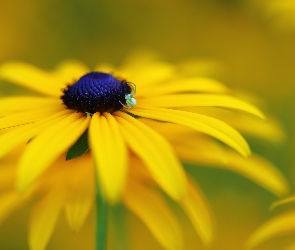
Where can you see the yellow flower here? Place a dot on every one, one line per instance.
(280, 225)
(132, 161)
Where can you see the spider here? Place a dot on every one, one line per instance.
(130, 101)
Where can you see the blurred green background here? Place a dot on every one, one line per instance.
(254, 41)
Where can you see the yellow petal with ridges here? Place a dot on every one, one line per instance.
(156, 153)
(186, 85)
(30, 77)
(150, 207)
(110, 155)
(43, 218)
(197, 209)
(278, 226)
(201, 100)
(50, 144)
(24, 133)
(201, 123)
(28, 116)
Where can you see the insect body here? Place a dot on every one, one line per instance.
(130, 100)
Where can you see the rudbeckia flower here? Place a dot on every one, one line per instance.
(81, 125)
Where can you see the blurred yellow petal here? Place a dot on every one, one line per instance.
(154, 72)
(186, 85)
(282, 202)
(291, 247)
(201, 123)
(278, 226)
(201, 100)
(29, 76)
(255, 168)
(156, 153)
(69, 71)
(9, 202)
(43, 219)
(80, 191)
(199, 150)
(197, 210)
(78, 208)
(110, 154)
(55, 139)
(150, 207)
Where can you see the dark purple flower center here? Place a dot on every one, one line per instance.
(96, 92)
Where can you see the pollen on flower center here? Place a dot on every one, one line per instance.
(96, 92)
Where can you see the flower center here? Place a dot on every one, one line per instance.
(97, 92)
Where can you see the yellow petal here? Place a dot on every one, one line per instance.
(156, 153)
(43, 219)
(186, 85)
(154, 73)
(196, 208)
(9, 202)
(150, 207)
(68, 72)
(80, 191)
(24, 133)
(282, 202)
(255, 168)
(78, 208)
(110, 154)
(25, 117)
(201, 100)
(29, 76)
(11, 104)
(277, 226)
(50, 144)
(201, 123)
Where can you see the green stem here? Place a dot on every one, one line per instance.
(101, 220)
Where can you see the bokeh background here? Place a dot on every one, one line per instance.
(249, 45)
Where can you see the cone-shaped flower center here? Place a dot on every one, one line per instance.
(96, 92)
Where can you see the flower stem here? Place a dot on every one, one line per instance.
(101, 220)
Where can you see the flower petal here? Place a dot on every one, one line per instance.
(78, 209)
(46, 147)
(80, 193)
(31, 77)
(282, 202)
(9, 202)
(25, 117)
(24, 133)
(150, 207)
(196, 208)
(43, 219)
(201, 100)
(201, 123)
(186, 85)
(11, 104)
(260, 171)
(156, 153)
(277, 226)
(68, 72)
(110, 154)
